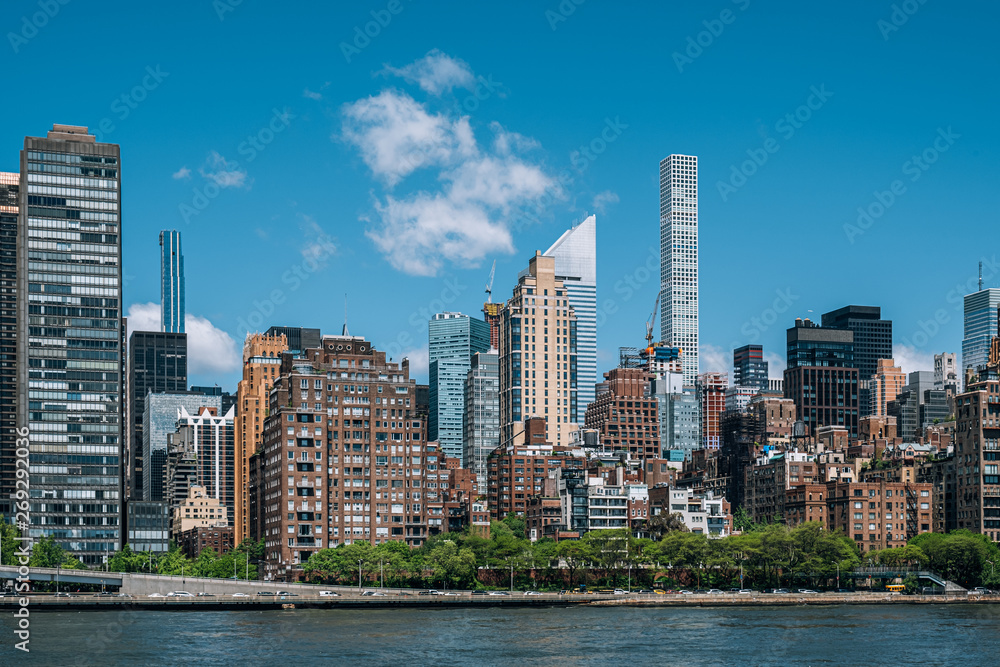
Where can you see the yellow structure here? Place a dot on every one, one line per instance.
(198, 510)
(261, 366)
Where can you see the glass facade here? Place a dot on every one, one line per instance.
(481, 421)
(70, 339)
(9, 189)
(679, 259)
(980, 328)
(160, 415)
(576, 266)
(148, 526)
(171, 282)
(453, 339)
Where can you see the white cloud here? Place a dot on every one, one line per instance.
(143, 317)
(436, 73)
(223, 173)
(311, 95)
(482, 190)
(775, 365)
(419, 361)
(603, 199)
(712, 359)
(910, 359)
(181, 174)
(210, 350)
(396, 135)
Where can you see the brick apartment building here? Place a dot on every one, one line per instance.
(625, 416)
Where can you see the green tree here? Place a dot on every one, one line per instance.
(9, 543)
(574, 554)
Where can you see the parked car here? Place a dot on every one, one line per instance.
(532, 593)
(240, 595)
(157, 595)
(646, 591)
(846, 590)
(451, 594)
(371, 594)
(104, 595)
(807, 591)
(687, 592)
(265, 592)
(287, 594)
(206, 595)
(715, 591)
(779, 591)
(64, 595)
(499, 593)
(329, 594)
(619, 591)
(479, 592)
(179, 594)
(744, 591)
(123, 595)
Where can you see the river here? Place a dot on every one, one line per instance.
(778, 636)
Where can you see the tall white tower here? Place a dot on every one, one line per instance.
(679, 259)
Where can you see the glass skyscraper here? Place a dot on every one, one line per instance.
(453, 339)
(171, 282)
(576, 266)
(9, 188)
(980, 328)
(679, 259)
(70, 338)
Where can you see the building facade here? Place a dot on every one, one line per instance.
(10, 184)
(711, 391)
(980, 326)
(679, 258)
(157, 363)
(261, 363)
(576, 267)
(481, 419)
(884, 387)
(872, 341)
(946, 374)
(626, 415)
(171, 282)
(977, 457)
(821, 376)
(452, 340)
(159, 420)
(749, 367)
(69, 339)
(538, 355)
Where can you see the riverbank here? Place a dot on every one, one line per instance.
(85, 602)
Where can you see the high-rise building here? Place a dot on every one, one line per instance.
(333, 496)
(261, 363)
(979, 329)
(977, 453)
(576, 266)
(710, 389)
(538, 356)
(947, 377)
(908, 407)
(208, 437)
(872, 341)
(481, 419)
(70, 357)
(626, 414)
(749, 367)
(679, 258)
(453, 338)
(298, 339)
(157, 362)
(821, 377)
(159, 420)
(171, 282)
(9, 189)
(884, 386)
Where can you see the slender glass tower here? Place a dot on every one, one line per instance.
(171, 282)
(980, 326)
(679, 259)
(69, 338)
(576, 266)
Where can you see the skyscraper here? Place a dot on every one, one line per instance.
(261, 364)
(69, 309)
(157, 362)
(679, 258)
(538, 355)
(872, 341)
(171, 282)
(980, 328)
(749, 367)
(159, 419)
(946, 375)
(821, 377)
(481, 421)
(9, 188)
(575, 253)
(884, 387)
(453, 339)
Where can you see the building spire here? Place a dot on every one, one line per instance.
(345, 332)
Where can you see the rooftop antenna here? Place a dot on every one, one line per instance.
(980, 276)
(345, 332)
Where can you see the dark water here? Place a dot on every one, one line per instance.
(835, 635)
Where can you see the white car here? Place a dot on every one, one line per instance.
(532, 593)
(240, 595)
(328, 594)
(179, 594)
(619, 591)
(157, 595)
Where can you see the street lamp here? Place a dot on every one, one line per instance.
(359, 574)
(838, 575)
(992, 568)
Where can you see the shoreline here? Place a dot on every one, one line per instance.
(224, 603)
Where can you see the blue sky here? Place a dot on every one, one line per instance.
(395, 169)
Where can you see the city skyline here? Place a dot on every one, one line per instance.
(328, 211)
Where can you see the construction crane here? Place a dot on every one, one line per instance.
(651, 322)
(489, 285)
